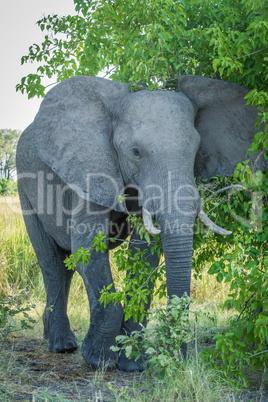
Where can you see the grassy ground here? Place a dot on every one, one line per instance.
(29, 372)
(18, 265)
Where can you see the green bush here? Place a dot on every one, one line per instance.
(161, 341)
(8, 187)
(12, 307)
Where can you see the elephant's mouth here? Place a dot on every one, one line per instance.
(148, 223)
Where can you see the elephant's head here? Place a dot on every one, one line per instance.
(99, 138)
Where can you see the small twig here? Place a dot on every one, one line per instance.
(195, 343)
(255, 312)
(148, 279)
(49, 85)
(207, 187)
(221, 190)
(109, 72)
(244, 308)
(133, 241)
(256, 354)
(256, 161)
(216, 206)
(247, 277)
(250, 54)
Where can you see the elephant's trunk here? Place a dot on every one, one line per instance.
(174, 203)
(177, 241)
(178, 257)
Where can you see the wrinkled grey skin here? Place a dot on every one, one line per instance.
(89, 130)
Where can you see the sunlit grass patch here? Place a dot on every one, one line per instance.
(18, 264)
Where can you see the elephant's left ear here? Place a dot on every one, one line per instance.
(72, 134)
(225, 124)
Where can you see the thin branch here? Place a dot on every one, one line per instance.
(195, 343)
(216, 206)
(256, 354)
(223, 189)
(256, 161)
(206, 187)
(244, 308)
(255, 312)
(109, 72)
(250, 54)
(148, 279)
(134, 241)
(247, 277)
(49, 85)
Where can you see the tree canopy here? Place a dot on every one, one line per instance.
(153, 41)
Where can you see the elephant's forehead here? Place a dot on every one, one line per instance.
(158, 106)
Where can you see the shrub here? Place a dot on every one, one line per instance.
(8, 187)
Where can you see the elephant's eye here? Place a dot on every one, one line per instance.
(136, 152)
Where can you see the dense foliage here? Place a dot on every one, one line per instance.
(153, 41)
(10, 307)
(8, 143)
(161, 342)
(8, 187)
(241, 260)
(136, 287)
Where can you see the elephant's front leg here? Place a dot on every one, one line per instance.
(129, 325)
(105, 323)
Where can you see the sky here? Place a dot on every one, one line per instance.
(18, 31)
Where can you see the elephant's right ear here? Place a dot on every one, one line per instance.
(225, 123)
(72, 135)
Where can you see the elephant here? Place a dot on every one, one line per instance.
(92, 141)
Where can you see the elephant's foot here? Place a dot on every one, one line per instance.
(57, 331)
(98, 355)
(63, 342)
(125, 364)
(130, 365)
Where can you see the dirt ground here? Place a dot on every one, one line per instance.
(28, 372)
(34, 374)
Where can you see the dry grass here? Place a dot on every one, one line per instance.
(18, 264)
(208, 290)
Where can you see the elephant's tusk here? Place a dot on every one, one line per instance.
(205, 219)
(148, 222)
